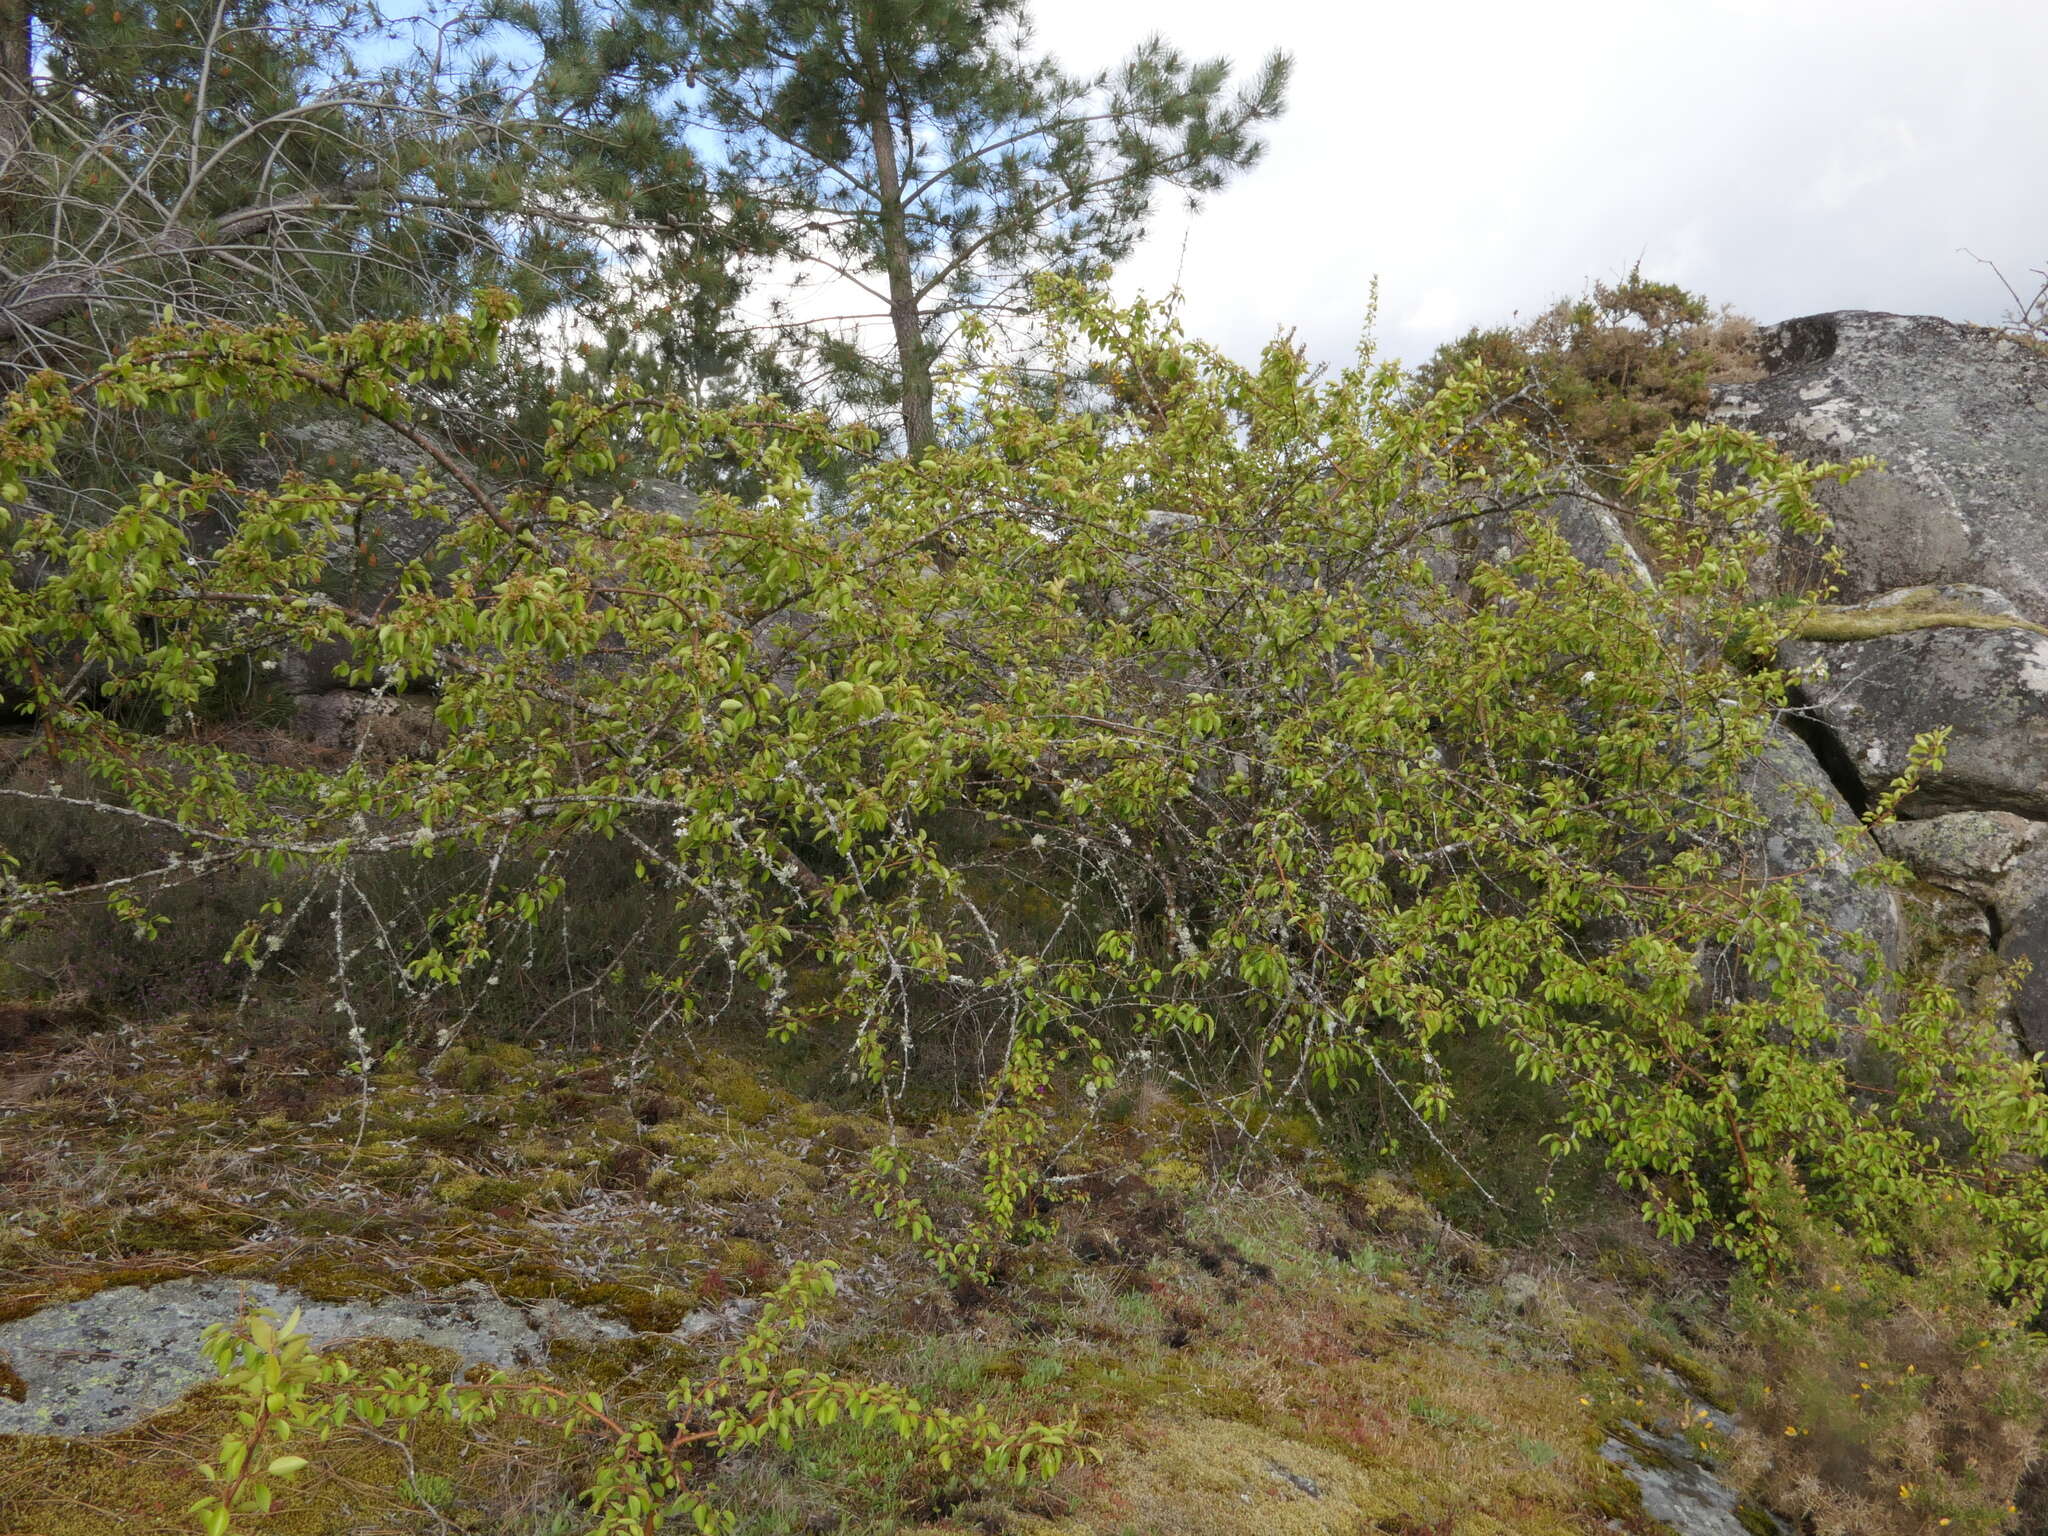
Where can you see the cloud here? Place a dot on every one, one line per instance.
(1439, 311)
(1884, 149)
(1483, 159)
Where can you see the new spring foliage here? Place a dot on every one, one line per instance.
(1302, 737)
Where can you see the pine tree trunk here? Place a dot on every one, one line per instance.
(911, 357)
(17, 101)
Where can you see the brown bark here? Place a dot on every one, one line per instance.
(911, 356)
(17, 94)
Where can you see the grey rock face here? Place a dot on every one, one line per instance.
(340, 718)
(1959, 414)
(1987, 906)
(115, 1358)
(1969, 851)
(1684, 1492)
(315, 669)
(1951, 939)
(1989, 685)
(1811, 836)
(2020, 902)
(1590, 530)
(1597, 537)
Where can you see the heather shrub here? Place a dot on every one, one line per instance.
(1608, 373)
(1879, 1398)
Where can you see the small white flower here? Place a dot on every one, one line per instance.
(1038, 839)
(1588, 677)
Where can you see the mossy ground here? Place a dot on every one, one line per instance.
(1261, 1339)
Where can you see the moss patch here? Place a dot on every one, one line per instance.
(1294, 1316)
(1901, 613)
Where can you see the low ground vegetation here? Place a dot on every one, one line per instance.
(1209, 1305)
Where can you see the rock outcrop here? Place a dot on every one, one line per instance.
(1811, 837)
(1988, 685)
(1945, 573)
(113, 1359)
(1958, 414)
(1590, 529)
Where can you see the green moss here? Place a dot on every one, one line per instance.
(536, 1152)
(475, 1192)
(692, 1144)
(610, 1363)
(1617, 1497)
(744, 1266)
(739, 1091)
(827, 1136)
(179, 1227)
(1919, 608)
(1379, 1204)
(748, 1173)
(1702, 1379)
(645, 1308)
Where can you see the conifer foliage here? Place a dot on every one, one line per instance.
(249, 158)
(920, 153)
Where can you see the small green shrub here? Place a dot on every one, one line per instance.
(650, 1475)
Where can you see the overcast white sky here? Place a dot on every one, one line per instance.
(1485, 156)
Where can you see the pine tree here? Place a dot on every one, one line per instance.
(251, 158)
(660, 311)
(255, 159)
(922, 152)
